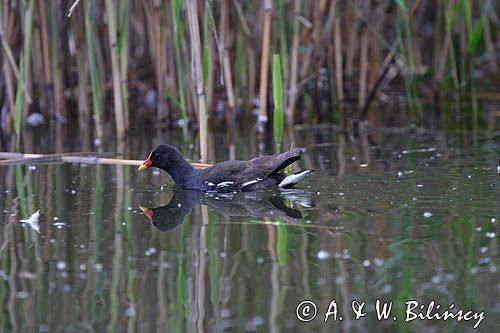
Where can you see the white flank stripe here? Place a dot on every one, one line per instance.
(250, 182)
(294, 179)
(224, 184)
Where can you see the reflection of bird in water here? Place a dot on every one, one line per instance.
(261, 204)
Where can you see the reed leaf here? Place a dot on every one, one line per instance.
(281, 243)
(18, 105)
(278, 101)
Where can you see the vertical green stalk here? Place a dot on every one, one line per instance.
(27, 47)
(283, 34)
(281, 243)
(97, 92)
(176, 9)
(18, 105)
(450, 15)
(115, 68)
(123, 55)
(55, 60)
(278, 102)
(406, 51)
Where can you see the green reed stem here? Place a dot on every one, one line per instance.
(278, 102)
(97, 92)
(176, 9)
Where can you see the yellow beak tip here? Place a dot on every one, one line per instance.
(142, 167)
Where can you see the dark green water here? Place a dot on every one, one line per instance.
(414, 218)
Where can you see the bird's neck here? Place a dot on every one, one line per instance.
(183, 174)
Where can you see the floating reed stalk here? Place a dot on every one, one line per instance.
(197, 75)
(8, 158)
(264, 64)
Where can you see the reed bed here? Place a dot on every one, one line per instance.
(177, 63)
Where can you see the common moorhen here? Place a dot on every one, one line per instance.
(259, 173)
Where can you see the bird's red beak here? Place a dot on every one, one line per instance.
(148, 212)
(146, 164)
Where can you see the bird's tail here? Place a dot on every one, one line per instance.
(291, 180)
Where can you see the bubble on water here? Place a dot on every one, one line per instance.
(222, 254)
(450, 276)
(61, 265)
(469, 176)
(52, 241)
(22, 294)
(363, 165)
(150, 251)
(478, 229)
(98, 267)
(420, 185)
(427, 214)
(366, 263)
(260, 260)
(67, 288)
(130, 312)
(225, 313)
(64, 274)
(56, 218)
(339, 279)
(156, 172)
(492, 268)
(323, 255)
(473, 270)
(378, 262)
(493, 220)
(400, 173)
(321, 282)
(490, 234)
(436, 279)
(97, 142)
(32, 167)
(485, 260)
(166, 265)
(387, 288)
(73, 191)
(254, 323)
(498, 168)
(483, 249)
(43, 328)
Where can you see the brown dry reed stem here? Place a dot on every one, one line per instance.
(115, 66)
(293, 90)
(197, 75)
(264, 63)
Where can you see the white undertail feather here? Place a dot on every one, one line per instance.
(294, 178)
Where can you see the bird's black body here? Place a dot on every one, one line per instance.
(260, 173)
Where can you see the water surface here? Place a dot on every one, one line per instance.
(412, 217)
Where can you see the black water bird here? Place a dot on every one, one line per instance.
(259, 173)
